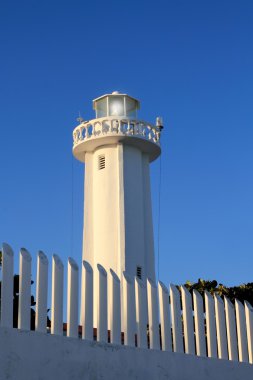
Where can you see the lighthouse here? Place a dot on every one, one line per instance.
(117, 149)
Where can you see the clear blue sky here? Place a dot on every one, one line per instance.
(189, 61)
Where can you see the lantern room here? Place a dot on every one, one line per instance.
(116, 104)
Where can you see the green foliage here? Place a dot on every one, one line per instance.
(242, 292)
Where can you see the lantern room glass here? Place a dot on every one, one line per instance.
(101, 108)
(131, 107)
(116, 106)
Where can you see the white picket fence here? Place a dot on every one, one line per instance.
(153, 316)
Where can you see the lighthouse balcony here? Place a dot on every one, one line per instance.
(88, 135)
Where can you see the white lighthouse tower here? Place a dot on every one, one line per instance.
(117, 149)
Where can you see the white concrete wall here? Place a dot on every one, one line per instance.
(101, 213)
(88, 250)
(134, 214)
(36, 356)
(118, 229)
(229, 331)
(148, 220)
(105, 209)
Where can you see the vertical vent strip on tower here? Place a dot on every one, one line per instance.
(101, 162)
(138, 272)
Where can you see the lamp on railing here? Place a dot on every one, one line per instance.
(116, 104)
(159, 123)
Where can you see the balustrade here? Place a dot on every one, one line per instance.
(110, 126)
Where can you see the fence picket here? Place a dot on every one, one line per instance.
(41, 293)
(210, 326)
(57, 296)
(24, 305)
(187, 321)
(221, 327)
(199, 324)
(86, 319)
(153, 320)
(249, 326)
(7, 286)
(241, 332)
(72, 300)
(141, 312)
(129, 317)
(231, 330)
(114, 308)
(176, 319)
(164, 307)
(102, 325)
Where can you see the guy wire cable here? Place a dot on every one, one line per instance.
(72, 206)
(159, 213)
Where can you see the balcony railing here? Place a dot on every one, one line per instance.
(115, 126)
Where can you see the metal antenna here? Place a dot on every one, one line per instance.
(80, 119)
